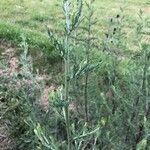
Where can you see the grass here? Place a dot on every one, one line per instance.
(32, 16)
(22, 17)
(44, 12)
(13, 33)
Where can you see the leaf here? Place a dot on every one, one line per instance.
(57, 44)
(86, 134)
(142, 144)
(76, 21)
(41, 136)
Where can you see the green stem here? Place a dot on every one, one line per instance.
(67, 61)
(86, 97)
(88, 62)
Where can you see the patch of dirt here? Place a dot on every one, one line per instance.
(44, 100)
(146, 10)
(6, 45)
(8, 54)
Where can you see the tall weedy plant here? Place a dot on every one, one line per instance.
(71, 25)
(72, 20)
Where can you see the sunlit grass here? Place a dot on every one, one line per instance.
(34, 15)
(37, 14)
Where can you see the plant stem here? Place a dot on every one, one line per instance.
(67, 91)
(88, 62)
(71, 25)
(86, 97)
(86, 83)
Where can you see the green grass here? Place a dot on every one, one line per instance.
(36, 40)
(30, 18)
(34, 15)
(35, 12)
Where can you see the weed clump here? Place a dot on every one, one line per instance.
(102, 101)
